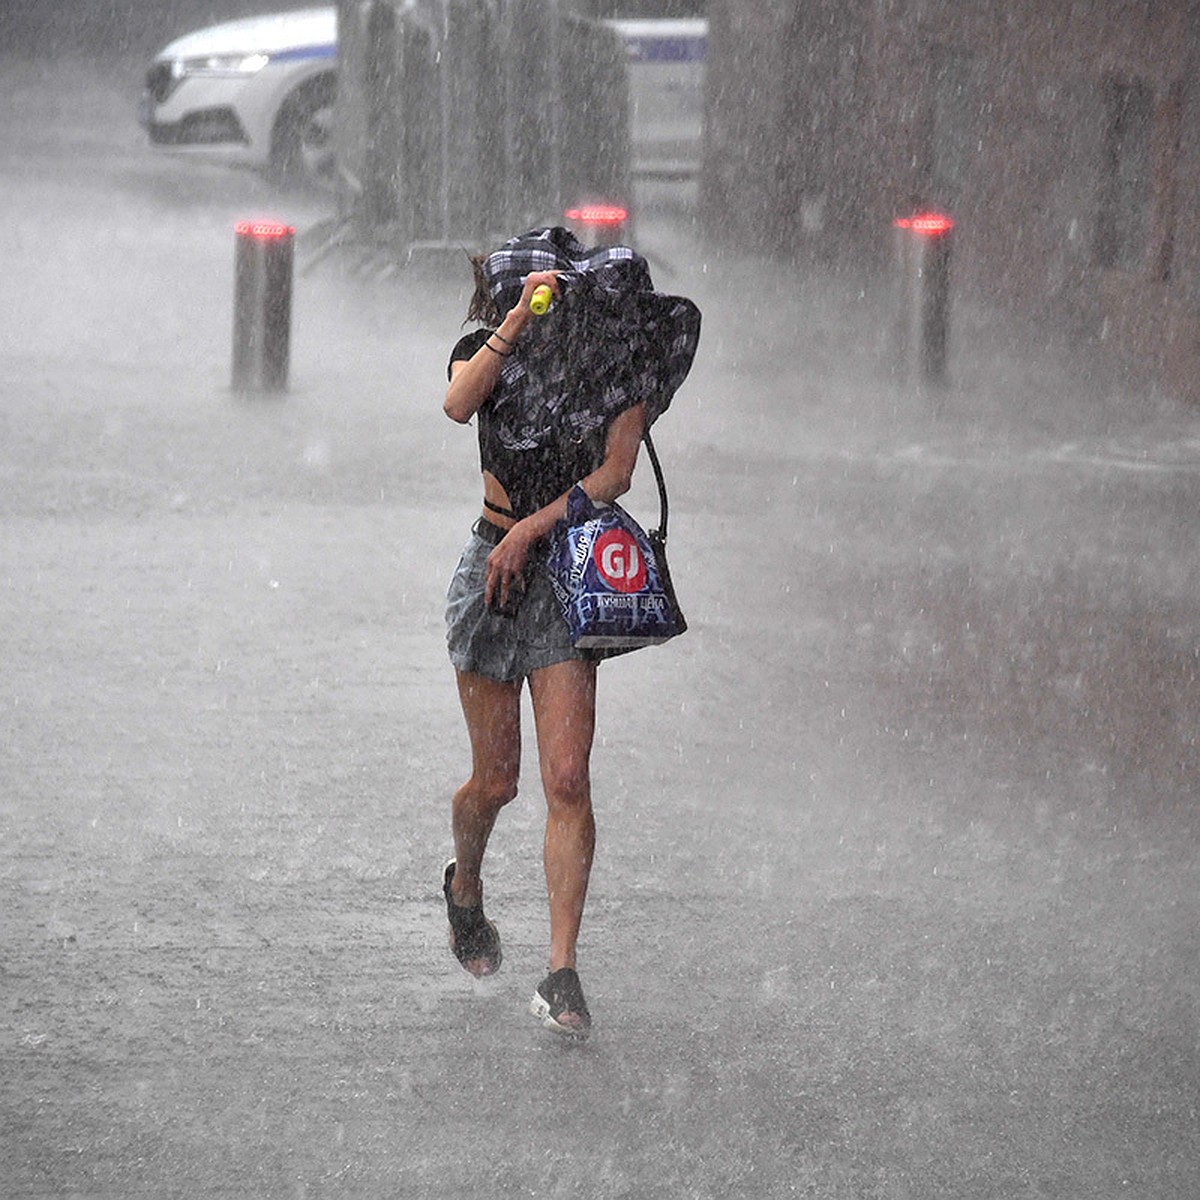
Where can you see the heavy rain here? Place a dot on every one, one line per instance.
(896, 892)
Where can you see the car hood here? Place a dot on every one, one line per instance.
(259, 35)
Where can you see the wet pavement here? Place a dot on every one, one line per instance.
(896, 893)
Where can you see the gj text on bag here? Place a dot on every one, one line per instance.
(610, 579)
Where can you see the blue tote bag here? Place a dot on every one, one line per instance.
(611, 577)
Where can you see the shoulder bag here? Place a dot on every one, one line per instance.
(611, 577)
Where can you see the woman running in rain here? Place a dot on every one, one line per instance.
(556, 403)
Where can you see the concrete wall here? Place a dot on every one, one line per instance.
(827, 118)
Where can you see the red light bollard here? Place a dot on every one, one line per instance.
(598, 224)
(923, 262)
(262, 305)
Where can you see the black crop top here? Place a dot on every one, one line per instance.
(530, 478)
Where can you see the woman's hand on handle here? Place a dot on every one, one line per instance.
(531, 284)
(471, 382)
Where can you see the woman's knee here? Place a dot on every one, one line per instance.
(567, 783)
(490, 791)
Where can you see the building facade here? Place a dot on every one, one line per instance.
(1064, 139)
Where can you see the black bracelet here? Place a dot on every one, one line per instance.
(489, 346)
(497, 333)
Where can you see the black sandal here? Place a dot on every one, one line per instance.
(472, 936)
(560, 995)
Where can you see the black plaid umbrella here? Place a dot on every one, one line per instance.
(609, 343)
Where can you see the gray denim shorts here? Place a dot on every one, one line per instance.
(503, 648)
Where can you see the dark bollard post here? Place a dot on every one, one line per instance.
(923, 258)
(262, 309)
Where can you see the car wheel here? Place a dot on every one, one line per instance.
(302, 151)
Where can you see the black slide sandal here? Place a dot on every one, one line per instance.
(558, 995)
(472, 936)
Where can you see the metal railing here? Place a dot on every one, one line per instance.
(458, 121)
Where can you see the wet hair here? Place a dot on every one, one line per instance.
(483, 307)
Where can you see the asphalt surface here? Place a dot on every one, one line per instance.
(896, 894)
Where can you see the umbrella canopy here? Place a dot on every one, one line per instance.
(610, 342)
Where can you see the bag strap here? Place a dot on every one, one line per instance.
(661, 531)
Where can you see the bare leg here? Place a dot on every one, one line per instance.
(493, 714)
(564, 708)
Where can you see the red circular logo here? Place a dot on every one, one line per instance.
(619, 561)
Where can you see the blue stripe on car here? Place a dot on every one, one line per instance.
(652, 48)
(302, 52)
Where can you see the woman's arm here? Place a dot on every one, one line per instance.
(472, 380)
(611, 479)
(608, 481)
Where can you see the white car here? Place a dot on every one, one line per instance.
(257, 92)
